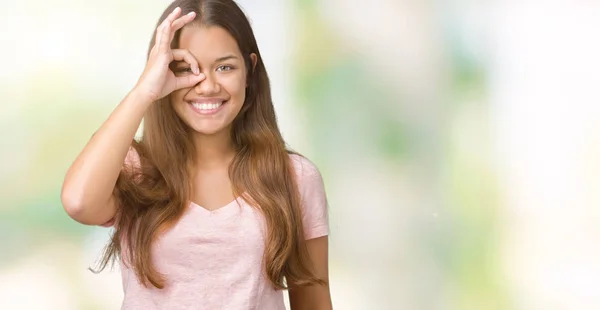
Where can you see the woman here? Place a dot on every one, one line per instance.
(210, 209)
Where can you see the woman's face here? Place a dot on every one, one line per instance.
(211, 106)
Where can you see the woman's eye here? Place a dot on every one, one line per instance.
(224, 68)
(183, 70)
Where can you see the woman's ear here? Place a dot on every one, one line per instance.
(254, 60)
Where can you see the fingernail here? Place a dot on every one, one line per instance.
(176, 9)
(197, 71)
(191, 13)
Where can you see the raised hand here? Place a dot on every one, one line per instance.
(157, 80)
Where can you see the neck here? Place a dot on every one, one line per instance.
(213, 151)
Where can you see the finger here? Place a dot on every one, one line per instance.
(182, 21)
(171, 18)
(185, 55)
(162, 35)
(163, 32)
(188, 80)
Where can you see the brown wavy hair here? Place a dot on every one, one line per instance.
(154, 196)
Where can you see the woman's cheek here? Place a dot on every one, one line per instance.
(233, 82)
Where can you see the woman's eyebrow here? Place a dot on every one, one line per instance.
(227, 57)
(220, 59)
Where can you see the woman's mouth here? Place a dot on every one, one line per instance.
(207, 107)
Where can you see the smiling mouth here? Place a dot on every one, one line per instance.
(206, 108)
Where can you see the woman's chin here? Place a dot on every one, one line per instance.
(208, 129)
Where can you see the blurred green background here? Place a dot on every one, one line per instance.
(458, 141)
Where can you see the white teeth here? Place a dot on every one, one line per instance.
(207, 106)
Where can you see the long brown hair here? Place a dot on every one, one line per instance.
(155, 195)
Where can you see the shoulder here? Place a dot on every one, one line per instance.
(133, 157)
(313, 199)
(303, 167)
(132, 166)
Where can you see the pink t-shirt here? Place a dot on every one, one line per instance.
(213, 259)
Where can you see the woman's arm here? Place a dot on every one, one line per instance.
(314, 297)
(87, 192)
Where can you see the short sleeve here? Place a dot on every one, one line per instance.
(132, 160)
(313, 199)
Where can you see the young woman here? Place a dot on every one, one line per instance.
(210, 210)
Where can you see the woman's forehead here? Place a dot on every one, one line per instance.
(208, 41)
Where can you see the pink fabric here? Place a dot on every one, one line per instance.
(213, 259)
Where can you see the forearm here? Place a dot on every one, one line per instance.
(314, 297)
